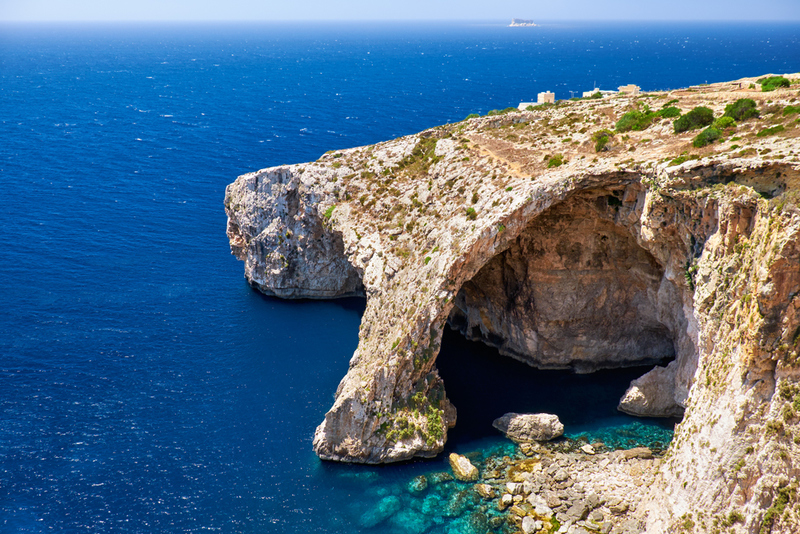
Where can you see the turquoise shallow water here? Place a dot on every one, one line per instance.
(144, 387)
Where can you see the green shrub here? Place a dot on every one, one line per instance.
(683, 158)
(723, 123)
(635, 120)
(670, 112)
(472, 116)
(594, 96)
(501, 111)
(555, 161)
(471, 214)
(706, 137)
(773, 82)
(791, 110)
(529, 108)
(771, 131)
(786, 494)
(328, 212)
(699, 117)
(601, 139)
(742, 109)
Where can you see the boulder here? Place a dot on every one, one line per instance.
(578, 511)
(540, 505)
(485, 491)
(652, 394)
(531, 525)
(561, 475)
(642, 453)
(530, 426)
(463, 468)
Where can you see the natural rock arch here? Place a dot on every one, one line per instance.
(731, 255)
(575, 290)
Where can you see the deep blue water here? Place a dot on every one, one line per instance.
(144, 387)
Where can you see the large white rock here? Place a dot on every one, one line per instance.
(652, 394)
(463, 468)
(529, 426)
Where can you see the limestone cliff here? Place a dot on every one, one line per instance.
(518, 232)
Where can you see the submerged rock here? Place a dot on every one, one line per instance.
(439, 477)
(418, 484)
(458, 502)
(485, 491)
(385, 508)
(411, 522)
(463, 468)
(530, 426)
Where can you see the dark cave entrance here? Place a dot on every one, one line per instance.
(483, 385)
(582, 306)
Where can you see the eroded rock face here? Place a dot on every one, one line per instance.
(288, 250)
(574, 290)
(644, 257)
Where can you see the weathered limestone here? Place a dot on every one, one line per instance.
(529, 426)
(574, 290)
(612, 258)
(653, 394)
(463, 468)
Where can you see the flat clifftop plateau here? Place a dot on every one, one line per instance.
(585, 235)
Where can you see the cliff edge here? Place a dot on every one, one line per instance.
(566, 240)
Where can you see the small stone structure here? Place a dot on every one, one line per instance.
(587, 94)
(546, 98)
(629, 89)
(524, 105)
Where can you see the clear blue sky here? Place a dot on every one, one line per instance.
(193, 10)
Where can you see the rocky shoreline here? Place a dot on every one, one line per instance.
(566, 486)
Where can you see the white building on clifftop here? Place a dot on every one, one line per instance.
(546, 98)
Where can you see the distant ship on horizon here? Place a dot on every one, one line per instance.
(521, 22)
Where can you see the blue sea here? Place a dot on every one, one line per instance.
(144, 387)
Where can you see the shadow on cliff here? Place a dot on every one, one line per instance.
(350, 304)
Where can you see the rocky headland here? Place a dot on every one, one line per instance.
(584, 235)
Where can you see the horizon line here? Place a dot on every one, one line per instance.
(434, 20)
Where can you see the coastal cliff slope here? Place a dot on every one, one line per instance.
(525, 231)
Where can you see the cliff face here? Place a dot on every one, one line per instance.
(619, 257)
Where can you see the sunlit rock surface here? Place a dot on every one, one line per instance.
(646, 250)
